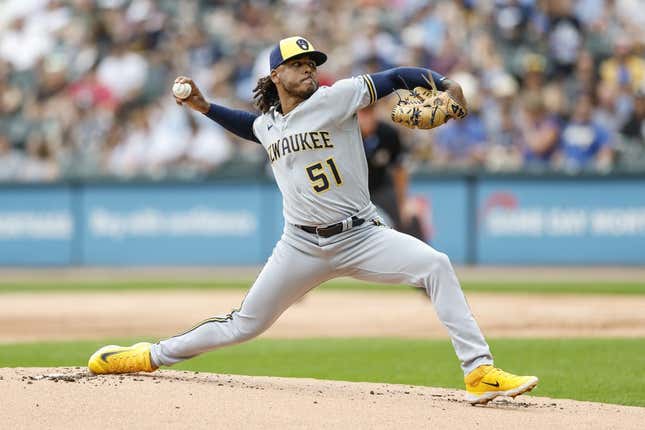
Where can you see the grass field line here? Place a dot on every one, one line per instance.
(513, 274)
(118, 284)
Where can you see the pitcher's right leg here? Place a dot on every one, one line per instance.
(288, 275)
(296, 265)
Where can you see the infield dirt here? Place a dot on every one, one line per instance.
(70, 398)
(322, 313)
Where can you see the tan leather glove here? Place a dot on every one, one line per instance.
(426, 108)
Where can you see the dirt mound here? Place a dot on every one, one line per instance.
(71, 398)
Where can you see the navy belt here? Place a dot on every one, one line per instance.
(333, 229)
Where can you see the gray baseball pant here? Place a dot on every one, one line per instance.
(301, 261)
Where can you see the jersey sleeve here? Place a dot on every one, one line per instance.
(347, 96)
(236, 121)
(399, 78)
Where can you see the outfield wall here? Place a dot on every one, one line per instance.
(508, 220)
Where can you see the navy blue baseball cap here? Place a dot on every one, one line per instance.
(292, 47)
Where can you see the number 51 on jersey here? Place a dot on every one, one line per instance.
(319, 174)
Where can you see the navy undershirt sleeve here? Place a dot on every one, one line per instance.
(236, 121)
(401, 78)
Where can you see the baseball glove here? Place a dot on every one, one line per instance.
(426, 108)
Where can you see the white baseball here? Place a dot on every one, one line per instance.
(181, 90)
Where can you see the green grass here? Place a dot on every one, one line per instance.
(341, 284)
(604, 370)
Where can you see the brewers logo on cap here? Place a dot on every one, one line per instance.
(292, 47)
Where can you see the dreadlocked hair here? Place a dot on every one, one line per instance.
(266, 94)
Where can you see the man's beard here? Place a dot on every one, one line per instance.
(303, 94)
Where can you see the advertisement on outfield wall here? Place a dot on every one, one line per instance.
(484, 222)
(182, 224)
(36, 226)
(561, 222)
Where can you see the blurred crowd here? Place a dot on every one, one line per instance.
(553, 85)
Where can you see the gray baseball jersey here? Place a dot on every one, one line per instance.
(316, 152)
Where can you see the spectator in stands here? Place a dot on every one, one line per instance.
(632, 16)
(565, 36)
(374, 42)
(503, 152)
(168, 138)
(585, 144)
(11, 104)
(208, 146)
(511, 19)
(584, 79)
(625, 69)
(39, 164)
(113, 69)
(11, 160)
(611, 110)
(128, 157)
(533, 71)
(634, 128)
(32, 42)
(462, 143)
(540, 132)
(90, 93)
(620, 76)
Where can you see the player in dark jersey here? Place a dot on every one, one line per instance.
(388, 178)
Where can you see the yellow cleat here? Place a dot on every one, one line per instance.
(122, 359)
(487, 382)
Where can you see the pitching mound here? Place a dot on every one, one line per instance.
(71, 398)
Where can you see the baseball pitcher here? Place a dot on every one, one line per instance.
(312, 138)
